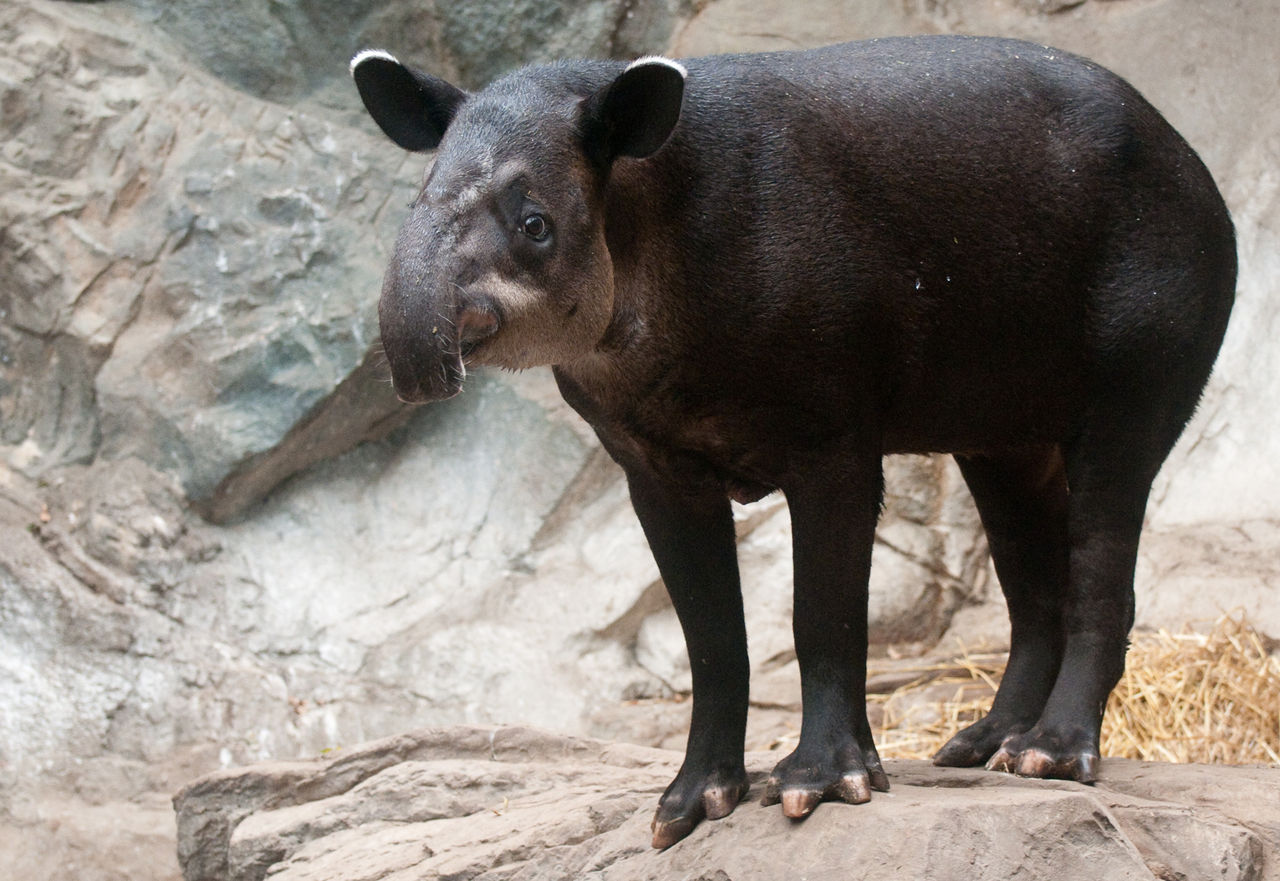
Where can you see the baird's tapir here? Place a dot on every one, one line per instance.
(766, 271)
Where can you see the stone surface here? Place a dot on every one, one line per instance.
(178, 253)
(290, 50)
(516, 803)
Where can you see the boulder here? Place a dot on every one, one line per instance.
(516, 803)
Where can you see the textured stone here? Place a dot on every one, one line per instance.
(180, 256)
(194, 269)
(289, 50)
(361, 409)
(1050, 7)
(515, 803)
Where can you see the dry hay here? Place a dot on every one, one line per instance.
(1188, 697)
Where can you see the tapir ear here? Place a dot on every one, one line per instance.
(413, 108)
(635, 114)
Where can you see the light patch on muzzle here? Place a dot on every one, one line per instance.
(511, 296)
(526, 312)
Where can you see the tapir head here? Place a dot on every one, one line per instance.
(503, 259)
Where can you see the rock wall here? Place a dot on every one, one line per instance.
(224, 540)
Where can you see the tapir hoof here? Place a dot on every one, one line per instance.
(683, 806)
(800, 785)
(1037, 754)
(976, 744)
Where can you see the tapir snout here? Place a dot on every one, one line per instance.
(430, 324)
(504, 259)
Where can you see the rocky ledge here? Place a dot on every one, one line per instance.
(516, 803)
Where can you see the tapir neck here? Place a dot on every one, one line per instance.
(671, 226)
(645, 254)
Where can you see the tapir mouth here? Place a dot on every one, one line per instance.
(476, 324)
(432, 368)
(437, 382)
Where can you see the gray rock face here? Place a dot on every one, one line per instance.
(180, 284)
(290, 50)
(514, 803)
(193, 268)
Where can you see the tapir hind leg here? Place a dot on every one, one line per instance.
(1110, 467)
(1158, 305)
(1022, 498)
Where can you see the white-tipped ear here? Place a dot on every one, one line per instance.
(367, 54)
(412, 107)
(659, 59)
(636, 113)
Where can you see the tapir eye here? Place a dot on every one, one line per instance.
(535, 226)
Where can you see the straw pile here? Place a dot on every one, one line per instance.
(1188, 697)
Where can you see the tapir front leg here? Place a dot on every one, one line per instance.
(833, 519)
(692, 538)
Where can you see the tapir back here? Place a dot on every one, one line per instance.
(933, 229)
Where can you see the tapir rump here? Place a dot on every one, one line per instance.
(764, 272)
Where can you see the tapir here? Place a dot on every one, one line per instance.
(765, 272)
